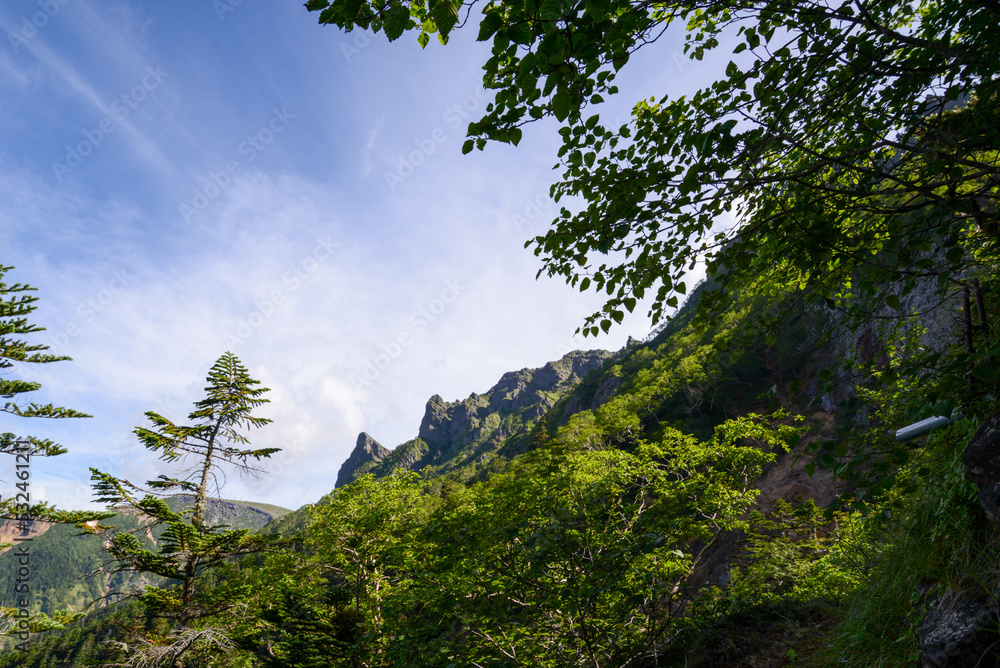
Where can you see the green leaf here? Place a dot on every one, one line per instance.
(598, 9)
(520, 33)
(892, 301)
(445, 15)
(422, 39)
(988, 373)
(467, 146)
(394, 21)
(490, 24)
(562, 104)
(550, 10)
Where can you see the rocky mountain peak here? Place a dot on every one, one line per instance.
(447, 425)
(457, 433)
(366, 451)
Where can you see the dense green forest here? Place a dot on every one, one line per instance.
(733, 491)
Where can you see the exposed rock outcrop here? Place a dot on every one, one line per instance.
(450, 427)
(960, 631)
(232, 514)
(58, 550)
(982, 463)
(12, 530)
(367, 451)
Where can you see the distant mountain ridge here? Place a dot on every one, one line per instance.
(468, 434)
(60, 557)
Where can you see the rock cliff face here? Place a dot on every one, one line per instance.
(367, 452)
(937, 317)
(459, 433)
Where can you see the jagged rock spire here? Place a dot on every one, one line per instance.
(366, 451)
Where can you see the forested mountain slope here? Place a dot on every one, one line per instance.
(71, 570)
(720, 495)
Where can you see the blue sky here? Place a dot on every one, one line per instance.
(183, 179)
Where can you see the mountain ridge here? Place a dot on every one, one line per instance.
(462, 436)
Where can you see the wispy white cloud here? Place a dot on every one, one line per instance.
(113, 113)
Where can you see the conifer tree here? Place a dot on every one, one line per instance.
(189, 548)
(16, 304)
(15, 307)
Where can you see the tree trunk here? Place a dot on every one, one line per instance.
(984, 325)
(969, 347)
(201, 499)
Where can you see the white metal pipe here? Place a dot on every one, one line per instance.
(918, 429)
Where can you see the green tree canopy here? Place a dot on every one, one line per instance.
(835, 137)
(571, 556)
